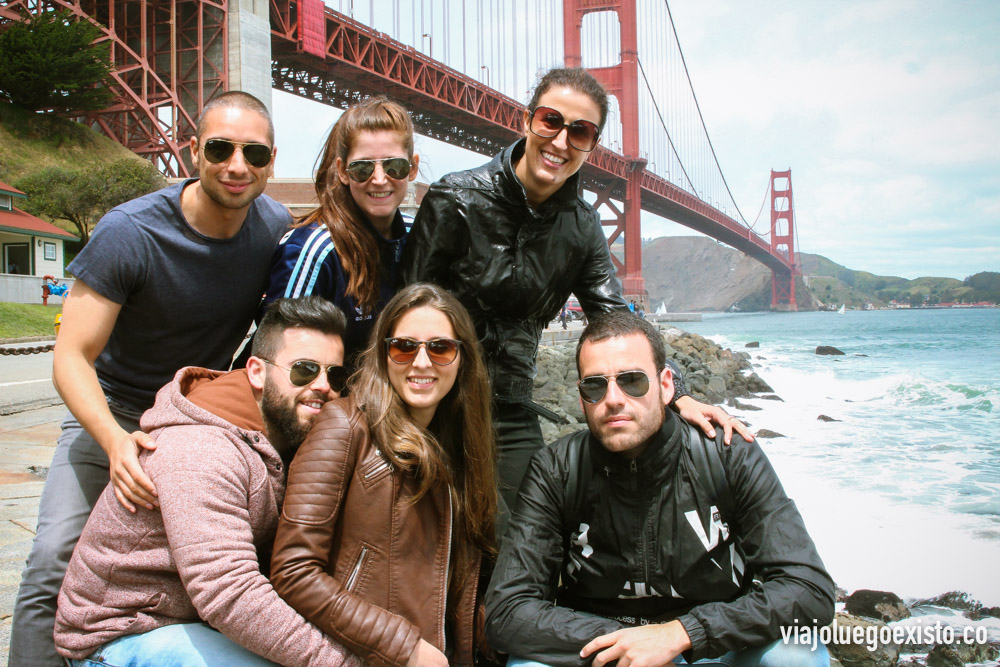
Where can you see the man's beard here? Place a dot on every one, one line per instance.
(281, 422)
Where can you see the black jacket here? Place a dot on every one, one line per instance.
(512, 266)
(642, 541)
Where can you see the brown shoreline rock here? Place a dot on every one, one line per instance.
(880, 605)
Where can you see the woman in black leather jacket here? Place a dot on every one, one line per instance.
(513, 239)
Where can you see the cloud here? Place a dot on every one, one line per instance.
(888, 116)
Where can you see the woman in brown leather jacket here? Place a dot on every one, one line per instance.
(391, 500)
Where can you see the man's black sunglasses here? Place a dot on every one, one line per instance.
(304, 372)
(593, 388)
(220, 150)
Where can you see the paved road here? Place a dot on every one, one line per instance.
(26, 380)
(27, 442)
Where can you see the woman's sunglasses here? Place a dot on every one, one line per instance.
(396, 168)
(441, 351)
(304, 372)
(220, 150)
(594, 387)
(547, 122)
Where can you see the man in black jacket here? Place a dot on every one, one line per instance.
(628, 543)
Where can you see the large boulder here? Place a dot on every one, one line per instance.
(959, 653)
(716, 390)
(852, 654)
(880, 605)
(828, 349)
(757, 386)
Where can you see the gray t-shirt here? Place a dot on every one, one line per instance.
(187, 299)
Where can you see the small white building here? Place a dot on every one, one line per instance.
(30, 249)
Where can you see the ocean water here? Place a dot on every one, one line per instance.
(903, 492)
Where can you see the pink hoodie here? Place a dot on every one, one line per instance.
(220, 488)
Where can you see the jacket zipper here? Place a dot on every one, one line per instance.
(351, 580)
(634, 469)
(447, 567)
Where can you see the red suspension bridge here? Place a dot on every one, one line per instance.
(460, 67)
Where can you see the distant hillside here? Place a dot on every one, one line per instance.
(833, 284)
(690, 273)
(31, 141)
(696, 273)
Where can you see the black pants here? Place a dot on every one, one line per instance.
(518, 437)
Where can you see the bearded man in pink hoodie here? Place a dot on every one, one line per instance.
(187, 585)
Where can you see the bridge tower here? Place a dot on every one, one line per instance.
(622, 81)
(783, 240)
(170, 57)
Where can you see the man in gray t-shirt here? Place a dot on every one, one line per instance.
(171, 279)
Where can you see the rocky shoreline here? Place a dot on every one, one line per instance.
(878, 629)
(720, 376)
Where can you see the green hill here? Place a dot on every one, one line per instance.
(84, 172)
(32, 141)
(833, 284)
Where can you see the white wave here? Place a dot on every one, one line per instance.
(900, 494)
(869, 542)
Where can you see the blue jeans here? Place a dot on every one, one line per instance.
(776, 654)
(181, 645)
(76, 479)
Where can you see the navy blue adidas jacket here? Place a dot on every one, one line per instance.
(306, 262)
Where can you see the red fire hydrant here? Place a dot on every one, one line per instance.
(46, 290)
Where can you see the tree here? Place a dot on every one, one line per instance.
(60, 193)
(985, 286)
(82, 197)
(126, 179)
(49, 61)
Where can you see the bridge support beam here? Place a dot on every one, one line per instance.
(622, 81)
(250, 48)
(783, 240)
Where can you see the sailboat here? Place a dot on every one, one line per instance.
(662, 310)
(843, 309)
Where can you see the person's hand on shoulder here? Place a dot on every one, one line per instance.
(642, 646)
(704, 415)
(131, 484)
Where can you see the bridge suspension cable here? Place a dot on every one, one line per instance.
(642, 70)
(685, 148)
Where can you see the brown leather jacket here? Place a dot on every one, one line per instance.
(360, 560)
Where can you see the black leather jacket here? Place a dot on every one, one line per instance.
(598, 542)
(512, 266)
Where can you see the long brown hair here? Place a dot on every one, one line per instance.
(356, 246)
(457, 448)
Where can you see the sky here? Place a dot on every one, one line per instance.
(886, 111)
